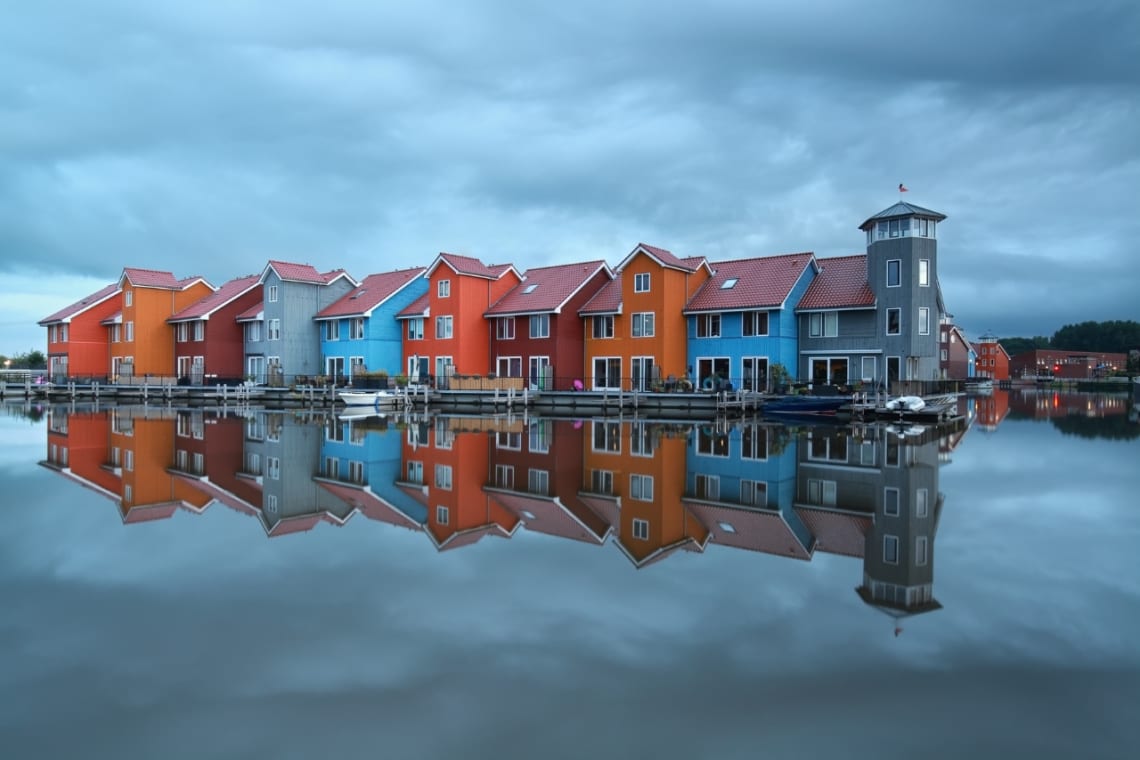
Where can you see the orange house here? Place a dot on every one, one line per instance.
(77, 339)
(635, 327)
(450, 468)
(639, 468)
(992, 361)
(142, 343)
(447, 333)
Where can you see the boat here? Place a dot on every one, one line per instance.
(980, 386)
(376, 399)
(799, 406)
(911, 407)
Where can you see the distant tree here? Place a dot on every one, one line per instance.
(1115, 336)
(1015, 346)
(31, 360)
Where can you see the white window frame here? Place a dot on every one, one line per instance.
(443, 476)
(273, 330)
(603, 324)
(924, 273)
(356, 328)
(641, 282)
(128, 297)
(924, 320)
(540, 326)
(890, 549)
(643, 324)
(505, 328)
(640, 487)
(892, 502)
(199, 331)
(416, 328)
(640, 529)
(887, 326)
(271, 294)
(444, 327)
(129, 332)
(865, 375)
(509, 366)
(921, 551)
(183, 332)
(748, 327)
(709, 325)
(442, 515)
(897, 271)
(922, 503)
(823, 324)
(443, 289)
(538, 481)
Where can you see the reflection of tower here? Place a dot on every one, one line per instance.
(898, 558)
(902, 270)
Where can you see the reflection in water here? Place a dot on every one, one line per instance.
(652, 489)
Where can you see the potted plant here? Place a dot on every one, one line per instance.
(780, 378)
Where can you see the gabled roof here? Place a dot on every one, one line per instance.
(470, 266)
(68, 312)
(222, 296)
(255, 313)
(114, 319)
(417, 308)
(152, 278)
(307, 273)
(605, 301)
(553, 516)
(665, 258)
(841, 284)
(753, 529)
(547, 289)
(368, 503)
(902, 209)
(836, 532)
(762, 282)
(374, 290)
(470, 536)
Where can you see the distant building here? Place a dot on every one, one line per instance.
(992, 362)
(1068, 365)
(956, 357)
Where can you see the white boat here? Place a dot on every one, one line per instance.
(376, 399)
(980, 386)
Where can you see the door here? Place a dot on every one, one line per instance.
(198, 370)
(334, 368)
(183, 367)
(443, 370)
(754, 373)
(539, 371)
(417, 368)
(893, 368)
(256, 369)
(642, 373)
(712, 372)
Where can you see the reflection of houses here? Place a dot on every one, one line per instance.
(634, 475)
(77, 449)
(991, 409)
(77, 339)
(1048, 404)
(536, 473)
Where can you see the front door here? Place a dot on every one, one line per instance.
(539, 372)
(183, 367)
(642, 373)
(755, 373)
(257, 369)
(334, 368)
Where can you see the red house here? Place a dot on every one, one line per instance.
(536, 329)
(993, 361)
(208, 340)
(77, 340)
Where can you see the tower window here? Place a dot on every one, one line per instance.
(894, 273)
(924, 272)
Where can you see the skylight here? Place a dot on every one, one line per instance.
(730, 282)
(358, 294)
(530, 288)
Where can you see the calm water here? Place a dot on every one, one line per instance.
(195, 585)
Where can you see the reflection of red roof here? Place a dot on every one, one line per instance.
(546, 289)
(219, 298)
(754, 283)
(467, 537)
(217, 493)
(417, 308)
(369, 504)
(551, 516)
(841, 283)
(756, 530)
(148, 512)
(373, 291)
(82, 305)
(836, 532)
(605, 506)
(606, 301)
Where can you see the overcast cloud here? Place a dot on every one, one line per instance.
(207, 137)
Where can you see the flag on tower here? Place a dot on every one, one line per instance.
(902, 188)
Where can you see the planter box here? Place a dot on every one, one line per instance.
(485, 383)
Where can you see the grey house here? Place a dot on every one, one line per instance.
(281, 339)
(875, 317)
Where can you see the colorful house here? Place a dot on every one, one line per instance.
(837, 325)
(142, 343)
(742, 320)
(956, 356)
(77, 340)
(208, 341)
(282, 341)
(447, 334)
(535, 327)
(635, 326)
(360, 332)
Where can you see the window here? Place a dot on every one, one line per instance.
(641, 529)
(823, 324)
(356, 328)
(891, 550)
(707, 487)
(641, 441)
(755, 323)
(355, 365)
(641, 283)
(130, 332)
(711, 443)
(128, 494)
(894, 321)
(540, 326)
(607, 373)
(508, 441)
(273, 332)
(921, 503)
(442, 515)
(754, 493)
(416, 328)
(538, 482)
(920, 550)
(443, 476)
(415, 472)
(332, 329)
(894, 272)
(891, 502)
(510, 366)
(505, 328)
(923, 320)
(129, 460)
(539, 434)
(183, 332)
(708, 326)
(607, 437)
(729, 283)
(530, 288)
(641, 487)
(867, 369)
(271, 294)
(443, 289)
(273, 468)
(602, 481)
(115, 333)
(128, 297)
(443, 327)
(253, 332)
(63, 333)
(822, 493)
(643, 326)
(753, 442)
(271, 503)
(199, 331)
(604, 326)
(942, 354)
(505, 476)
(924, 272)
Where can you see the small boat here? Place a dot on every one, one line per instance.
(376, 399)
(805, 405)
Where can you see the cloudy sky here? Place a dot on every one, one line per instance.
(207, 137)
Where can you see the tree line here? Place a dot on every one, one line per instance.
(1118, 336)
(29, 360)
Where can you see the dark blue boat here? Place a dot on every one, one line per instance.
(799, 406)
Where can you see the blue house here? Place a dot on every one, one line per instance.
(742, 320)
(360, 332)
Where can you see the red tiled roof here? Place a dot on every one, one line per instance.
(836, 532)
(252, 314)
(81, 305)
(571, 519)
(417, 308)
(666, 258)
(498, 270)
(218, 494)
(186, 282)
(465, 265)
(297, 524)
(373, 291)
(760, 282)
(297, 272)
(606, 301)
(841, 282)
(150, 278)
(546, 289)
(755, 530)
(219, 298)
(467, 537)
(370, 505)
(116, 318)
